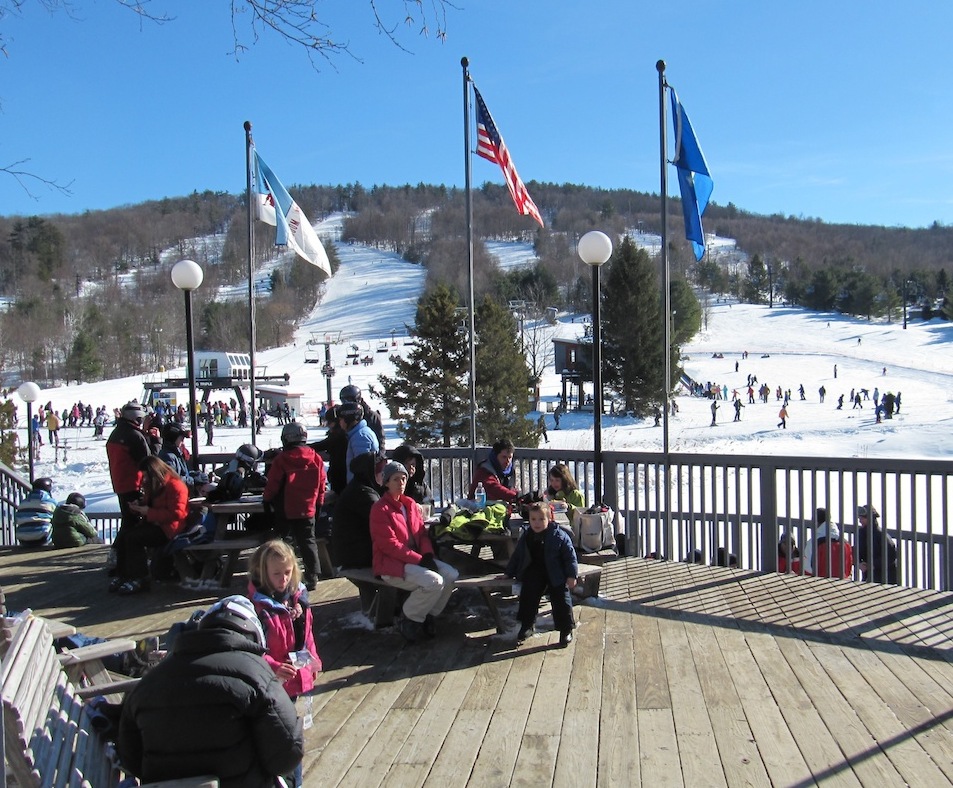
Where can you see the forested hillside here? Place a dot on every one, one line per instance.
(89, 296)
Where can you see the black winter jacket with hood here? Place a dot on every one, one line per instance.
(351, 530)
(213, 706)
(416, 486)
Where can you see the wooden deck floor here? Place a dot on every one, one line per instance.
(680, 675)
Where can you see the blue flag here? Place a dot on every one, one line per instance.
(694, 180)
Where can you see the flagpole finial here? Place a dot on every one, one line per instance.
(247, 125)
(660, 67)
(465, 62)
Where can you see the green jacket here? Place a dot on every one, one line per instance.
(71, 528)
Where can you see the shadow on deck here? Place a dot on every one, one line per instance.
(679, 675)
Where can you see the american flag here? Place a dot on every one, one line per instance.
(491, 147)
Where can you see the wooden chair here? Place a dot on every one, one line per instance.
(48, 734)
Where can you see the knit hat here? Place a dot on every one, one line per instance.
(390, 469)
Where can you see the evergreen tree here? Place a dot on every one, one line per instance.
(83, 363)
(632, 330)
(756, 283)
(428, 393)
(9, 441)
(686, 311)
(503, 379)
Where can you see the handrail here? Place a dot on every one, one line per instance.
(740, 503)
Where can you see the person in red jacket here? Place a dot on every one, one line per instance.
(403, 556)
(162, 512)
(495, 473)
(126, 447)
(294, 492)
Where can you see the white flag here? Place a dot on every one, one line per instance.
(275, 207)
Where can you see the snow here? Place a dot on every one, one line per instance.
(372, 299)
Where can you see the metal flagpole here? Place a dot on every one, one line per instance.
(666, 303)
(249, 199)
(469, 202)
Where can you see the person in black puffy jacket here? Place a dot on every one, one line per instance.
(213, 707)
(351, 527)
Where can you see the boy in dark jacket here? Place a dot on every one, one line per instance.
(213, 706)
(544, 561)
(295, 491)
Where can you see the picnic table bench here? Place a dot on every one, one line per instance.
(379, 600)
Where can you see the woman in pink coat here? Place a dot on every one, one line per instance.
(403, 556)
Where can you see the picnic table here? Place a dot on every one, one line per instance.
(220, 556)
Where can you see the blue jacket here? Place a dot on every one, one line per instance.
(360, 439)
(558, 553)
(34, 517)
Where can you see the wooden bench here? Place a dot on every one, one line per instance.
(590, 578)
(49, 737)
(379, 600)
(230, 549)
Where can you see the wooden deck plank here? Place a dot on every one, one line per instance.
(416, 757)
(502, 742)
(903, 751)
(807, 728)
(740, 757)
(659, 762)
(918, 714)
(861, 753)
(577, 761)
(618, 724)
(694, 739)
(651, 681)
(778, 748)
(462, 745)
(377, 755)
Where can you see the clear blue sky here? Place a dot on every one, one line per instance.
(838, 111)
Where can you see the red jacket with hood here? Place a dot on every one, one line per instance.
(298, 474)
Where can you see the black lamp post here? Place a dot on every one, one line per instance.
(187, 276)
(29, 393)
(594, 249)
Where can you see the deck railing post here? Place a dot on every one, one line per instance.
(769, 518)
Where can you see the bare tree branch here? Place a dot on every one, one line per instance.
(296, 21)
(23, 177)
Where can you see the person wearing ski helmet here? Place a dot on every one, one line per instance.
(33, 519)
(352, 393)
(126, 447)
(360, 437)
(294, 492)
(247, 455)
(212, 706)
(71, 527)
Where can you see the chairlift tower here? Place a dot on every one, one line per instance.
(327, 339)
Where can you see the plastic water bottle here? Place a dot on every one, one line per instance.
(480, 496)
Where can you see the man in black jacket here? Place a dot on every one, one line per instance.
(213, 707)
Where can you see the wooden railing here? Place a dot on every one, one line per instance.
(707, 502)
